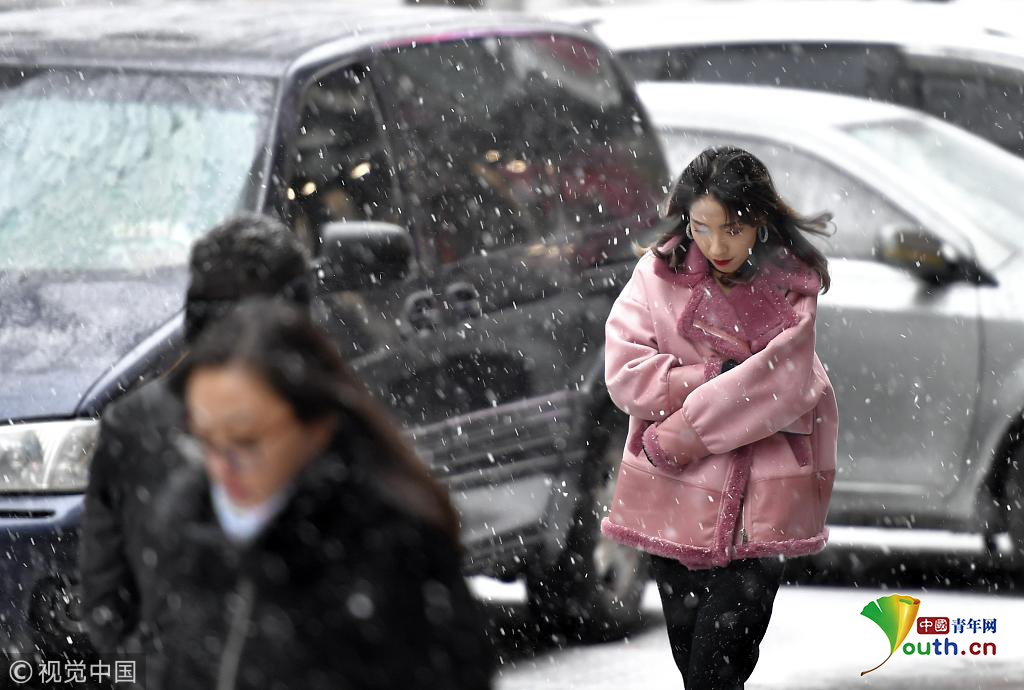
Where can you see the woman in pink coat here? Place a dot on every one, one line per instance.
(731, 452)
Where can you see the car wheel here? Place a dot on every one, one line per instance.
(593, 591)
(54, 616)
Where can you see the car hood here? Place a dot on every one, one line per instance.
(59, 333)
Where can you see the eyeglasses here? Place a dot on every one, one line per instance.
(241, 458)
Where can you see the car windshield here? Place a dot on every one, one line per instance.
(982, 180)
(106, 179)
(109, 171)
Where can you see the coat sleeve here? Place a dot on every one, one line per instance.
(109, 590)
(765, 394)
(643, 381)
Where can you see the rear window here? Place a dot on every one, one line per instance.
(522, 139)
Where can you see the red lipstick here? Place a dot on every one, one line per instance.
(722, 263)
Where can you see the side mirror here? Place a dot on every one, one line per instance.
(921, 253)
(361, 254)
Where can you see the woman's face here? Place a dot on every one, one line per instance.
(724, 243)
(253, 445)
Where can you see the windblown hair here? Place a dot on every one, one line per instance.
(279, 342)
(741, 183)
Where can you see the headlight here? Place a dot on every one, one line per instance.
(49, 456)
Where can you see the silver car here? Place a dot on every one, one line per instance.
(920, 331)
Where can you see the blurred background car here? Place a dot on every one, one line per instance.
(962, 65)
(920, 331)
(448, 170)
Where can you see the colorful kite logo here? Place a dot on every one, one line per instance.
(895, 615)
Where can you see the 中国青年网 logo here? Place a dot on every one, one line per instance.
(896, 615)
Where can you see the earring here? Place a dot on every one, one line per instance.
(762, 234)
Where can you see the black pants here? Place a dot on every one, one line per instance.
(717, 618)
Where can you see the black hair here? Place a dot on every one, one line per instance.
(741, 183)
(247, 255)
(279, 342)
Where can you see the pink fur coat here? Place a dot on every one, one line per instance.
(720, 466)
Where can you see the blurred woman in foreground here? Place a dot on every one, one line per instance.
(309, 548)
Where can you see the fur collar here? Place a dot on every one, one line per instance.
(744, 321)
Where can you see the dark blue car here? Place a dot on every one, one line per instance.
(471, 184)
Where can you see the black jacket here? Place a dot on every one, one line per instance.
(136, 452)
(343, 589)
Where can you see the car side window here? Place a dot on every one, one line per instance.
(516, 139)
(605, 164)
(811, 186)
(647, 65)
(683, 145)
(481, 187)
(341, 166)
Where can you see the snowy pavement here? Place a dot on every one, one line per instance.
(817, 639)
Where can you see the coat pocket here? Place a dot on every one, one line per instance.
(784, 508)
(661, 507)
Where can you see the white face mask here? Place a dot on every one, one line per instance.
(242, 524)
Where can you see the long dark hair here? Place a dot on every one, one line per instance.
(741, 183)
(279, 342)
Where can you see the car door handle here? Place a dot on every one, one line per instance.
(463, 299)
(422, 312)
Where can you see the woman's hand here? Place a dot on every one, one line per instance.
(673, 447)
(774, 388)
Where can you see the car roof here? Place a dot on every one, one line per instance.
(231, 36)
(766, 110)
(709, 23)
